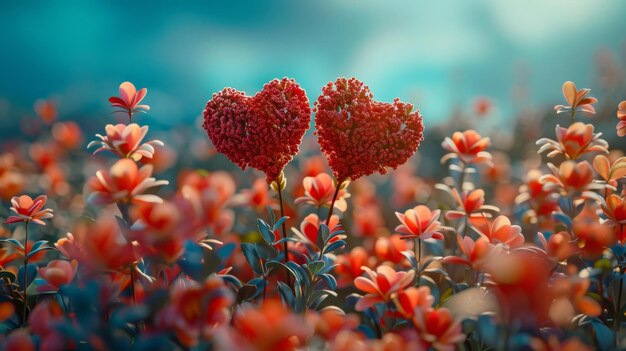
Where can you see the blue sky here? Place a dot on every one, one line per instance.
(436, 54)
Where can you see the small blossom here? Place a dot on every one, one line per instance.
(57, 273)
(477, 252)
(439, 328)
(19, 340)
(559, 246)
(124, 182)
(471, 202)
(570, 177)
(67, 134)
(381, 286)
(350, 265)
(621, 115)
(499, 231)
(482, 106)
(574, 141)
(130, 99)
(615, 210)
(390, 248)
(29, 210)
(272, 326)
(361, 136)
(468, 146)
(125, 141)
(610, 171)
(263, 131)
(420, 222)
(196, 310)
(319, 191)
(577, 100)
(47, 110)
(309, 229)
(410, 299)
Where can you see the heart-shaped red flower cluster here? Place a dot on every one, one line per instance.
(263, 131)
(361, 136)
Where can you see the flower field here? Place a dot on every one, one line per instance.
(335, 240)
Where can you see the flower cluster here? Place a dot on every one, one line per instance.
(361, 136)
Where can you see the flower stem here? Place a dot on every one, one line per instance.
(284, 227)
(573, 114)
(332, 203)
(25, 287)
(126, 216)
(418, 258)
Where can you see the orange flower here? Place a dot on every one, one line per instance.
(125, 141)
(419, 222)
(124, 182)
(468, 146)
(410, 299)
(330, 321)
(559, 246)
(477, 252)
(350, 265)
(382, 285)
(67, 134)
(129, 100)
(29, 210)
(310, 226)
(319, 191)
(57, 273)
(573, 292)
(390, 248)
(570, 177)
(499, 230)
(439, 328)
(47, 110)
(577, 100)
(610, 171)
(196, 310)
(471, 202)
(621, 115)
(367, 221)
(258, 196)
(615, 209)
(271, 326)
(574, 141)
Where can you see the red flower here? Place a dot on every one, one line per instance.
(468, 146)
(472, 202)
(360, 136)
(390, 248)
(196, 310)
(67, 134)
(47, 110)
(577, 100)
(615, 210)
(57, 273)
(310, 227)
(350, 265)
(439, 328)
(570, 177)
(263, 131)
(29, 210)
(574, 141)
(477, 252)
(410, 299)
(130, 99)
(381, 286)
(420, 222)
(621, 115)
(125, 141)
(499, 230)
(124, 182)
(319, 191)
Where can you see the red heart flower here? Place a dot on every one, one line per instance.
(263, 131)
(361, 136)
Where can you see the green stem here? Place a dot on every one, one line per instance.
(418, 258)
(284, 228)
(573, 114)
(332, 203)
(25, 276)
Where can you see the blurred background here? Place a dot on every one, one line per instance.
(491, 65)
(439, 56)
